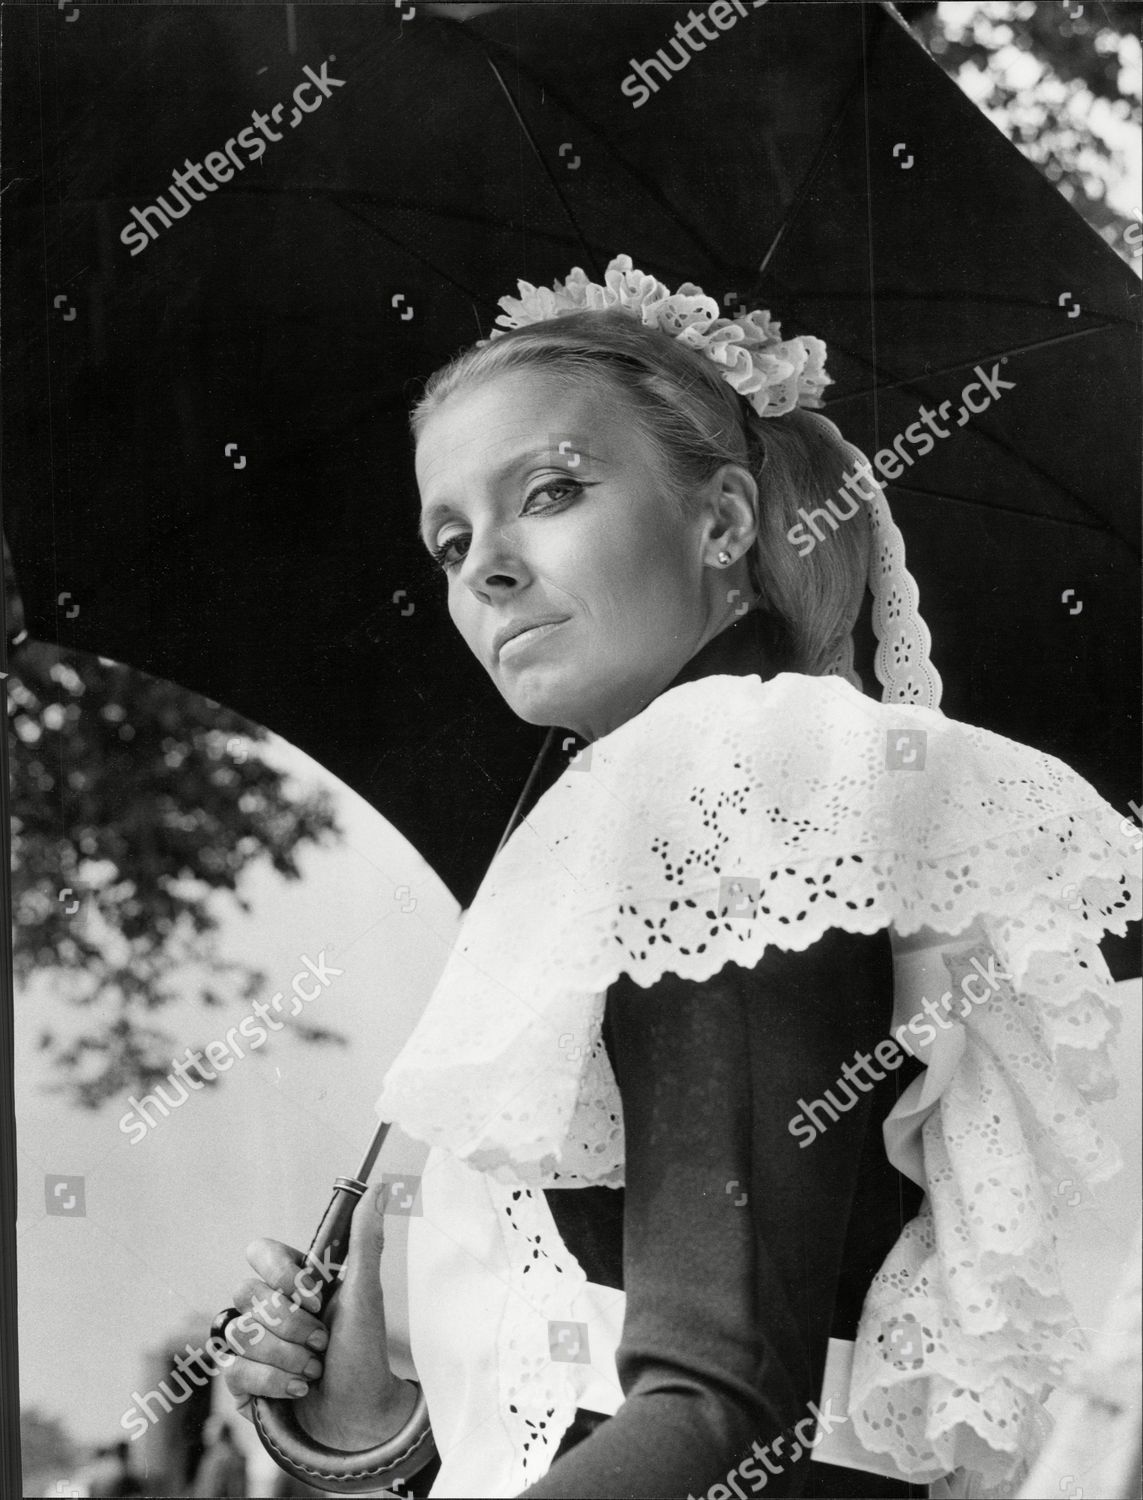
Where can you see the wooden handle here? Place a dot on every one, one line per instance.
(275, 1418)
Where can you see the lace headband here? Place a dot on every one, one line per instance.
(773, 375)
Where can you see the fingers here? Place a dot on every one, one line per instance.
(291, 1359)
(283, 1268)
(269, 1364)
(247, 1378)
(366, 1239)
(277, 1337)
(264, 1310)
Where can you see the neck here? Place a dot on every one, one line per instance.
(741, 645)
(747, 644)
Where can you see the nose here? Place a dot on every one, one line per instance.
(492, 563)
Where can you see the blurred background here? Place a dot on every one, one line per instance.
(211, 857)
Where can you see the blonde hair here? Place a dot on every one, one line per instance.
(696, 422)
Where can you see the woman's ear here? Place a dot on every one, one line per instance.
(731, 511)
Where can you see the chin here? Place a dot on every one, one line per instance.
(545, 705)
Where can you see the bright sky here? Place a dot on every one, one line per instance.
(167, 1219)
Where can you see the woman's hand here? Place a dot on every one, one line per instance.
(337, 1372)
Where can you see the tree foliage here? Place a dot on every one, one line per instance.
(135, 803)
(47, 1448)
(1062, 80)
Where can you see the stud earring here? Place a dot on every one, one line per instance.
(724, 559)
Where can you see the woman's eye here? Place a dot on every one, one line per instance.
(447, 554)
(571, 487)
(452, 550)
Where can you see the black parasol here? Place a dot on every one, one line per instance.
(207, 471)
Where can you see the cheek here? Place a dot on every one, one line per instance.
(463, 614)
(647, 580)
(630, 561)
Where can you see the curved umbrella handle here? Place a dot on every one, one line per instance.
(275, 1420)
(304, 1458)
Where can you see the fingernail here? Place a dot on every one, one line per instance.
(318, 1340)
(297, 1388)
(312, 1369)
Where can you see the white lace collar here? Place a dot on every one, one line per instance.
(732, 814)
(729, 815)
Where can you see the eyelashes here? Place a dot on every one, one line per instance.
(445, 556)
(442, 556)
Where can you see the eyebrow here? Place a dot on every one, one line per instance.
(441, 508)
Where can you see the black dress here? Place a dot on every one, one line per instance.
(741, 1253)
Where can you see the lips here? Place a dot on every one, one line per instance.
(516, 628)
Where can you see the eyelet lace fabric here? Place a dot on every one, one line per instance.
(731, 815)
(902, 664)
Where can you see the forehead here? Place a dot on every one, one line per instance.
(480, 427)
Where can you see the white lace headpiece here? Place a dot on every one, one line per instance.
(773, 375)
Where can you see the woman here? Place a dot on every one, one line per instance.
(676, 977)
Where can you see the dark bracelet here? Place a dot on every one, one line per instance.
(305, 1458)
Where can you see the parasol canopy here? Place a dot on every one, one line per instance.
(207, 467)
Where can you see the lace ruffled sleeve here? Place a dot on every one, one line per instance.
(732, 815)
